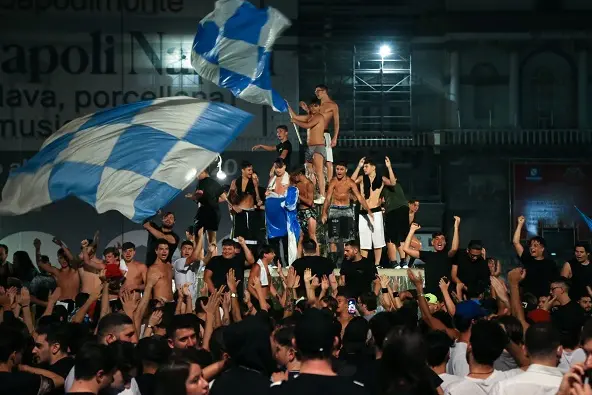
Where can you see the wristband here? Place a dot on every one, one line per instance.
(24, 305)
(384, 290)
(395, 294)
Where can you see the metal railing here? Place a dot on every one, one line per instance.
(447, 138)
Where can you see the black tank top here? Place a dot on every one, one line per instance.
(371, 186)
(581, 276)
(249, 190)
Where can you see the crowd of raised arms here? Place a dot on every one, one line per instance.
(264, 316)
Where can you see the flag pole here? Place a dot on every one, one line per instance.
(297, 133)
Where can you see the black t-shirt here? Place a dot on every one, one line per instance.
(539, 274)
(358, 275)
(285, 146)
(319, 265)
(61, 367)
(219, 266)
(313, 384)
(581, 276)
(238, 380)
(24, 383)
(146, 383)
(437, 265)
(568, 318)
(151, 253)
(211, 193)
(474, 274)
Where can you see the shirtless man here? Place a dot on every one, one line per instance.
(338, 209)
(66, 277)
(330, 111)
(372, 235)
(307, 215)
(163, 289)
(316, 153)
(135, 279)
(243, 196)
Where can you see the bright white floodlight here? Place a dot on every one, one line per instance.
(384, 51)
(220, 175)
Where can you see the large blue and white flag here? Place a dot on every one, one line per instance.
(134, 158)
(232, 49)
(586, 219)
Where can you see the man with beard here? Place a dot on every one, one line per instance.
(437, 262)
(156, 233)
(579, 270)
(135, 279)
(338, 210)
(51, 349)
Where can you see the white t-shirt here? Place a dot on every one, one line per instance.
(263, 274)
(569, 358)
(458, 365)
(447, 380)
(471, 386)
(538, 379)
(186, 274)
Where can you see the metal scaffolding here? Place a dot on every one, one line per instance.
(382, 92)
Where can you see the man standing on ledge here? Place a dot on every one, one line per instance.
(316, 153)
(208, 195)
(330, 111)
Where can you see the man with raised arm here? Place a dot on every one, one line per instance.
(66, 277)
(156, 233)
(316, 152)
(283, 149)
(371, 185)
(540, 271)
(437, 262)
(338, 210)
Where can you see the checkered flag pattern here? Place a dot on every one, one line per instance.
(133, 159)
(232, 49)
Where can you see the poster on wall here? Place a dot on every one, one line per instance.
(547, 194)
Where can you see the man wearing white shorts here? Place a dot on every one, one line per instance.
(371, 185)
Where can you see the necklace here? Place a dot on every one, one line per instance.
(491, 371)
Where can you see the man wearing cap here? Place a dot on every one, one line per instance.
(470, 269)
(315, 336)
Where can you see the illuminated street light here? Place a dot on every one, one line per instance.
(384, 51)
(220, 175)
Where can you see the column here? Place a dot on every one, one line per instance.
(582, 89)
(454, 88)
(513, 89)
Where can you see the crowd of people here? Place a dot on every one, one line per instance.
(266, 313)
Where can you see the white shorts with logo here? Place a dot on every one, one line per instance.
(328, 148)
(371, 235)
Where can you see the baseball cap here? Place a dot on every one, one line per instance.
(315, 333)
(539, 315)
(470, 309)
(431, 298)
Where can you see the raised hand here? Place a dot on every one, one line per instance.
(415, 227)
(37, 244)
(156, 318)
(231, 281)
(384, 280)
(25, 297)
(521, 220)
(456, 221)
(325, 283)
(387, 161)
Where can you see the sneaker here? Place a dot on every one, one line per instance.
(405, 266)
(320, 200)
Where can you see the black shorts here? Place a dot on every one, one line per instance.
(246, 225)
(396, 225)
(207, 218)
